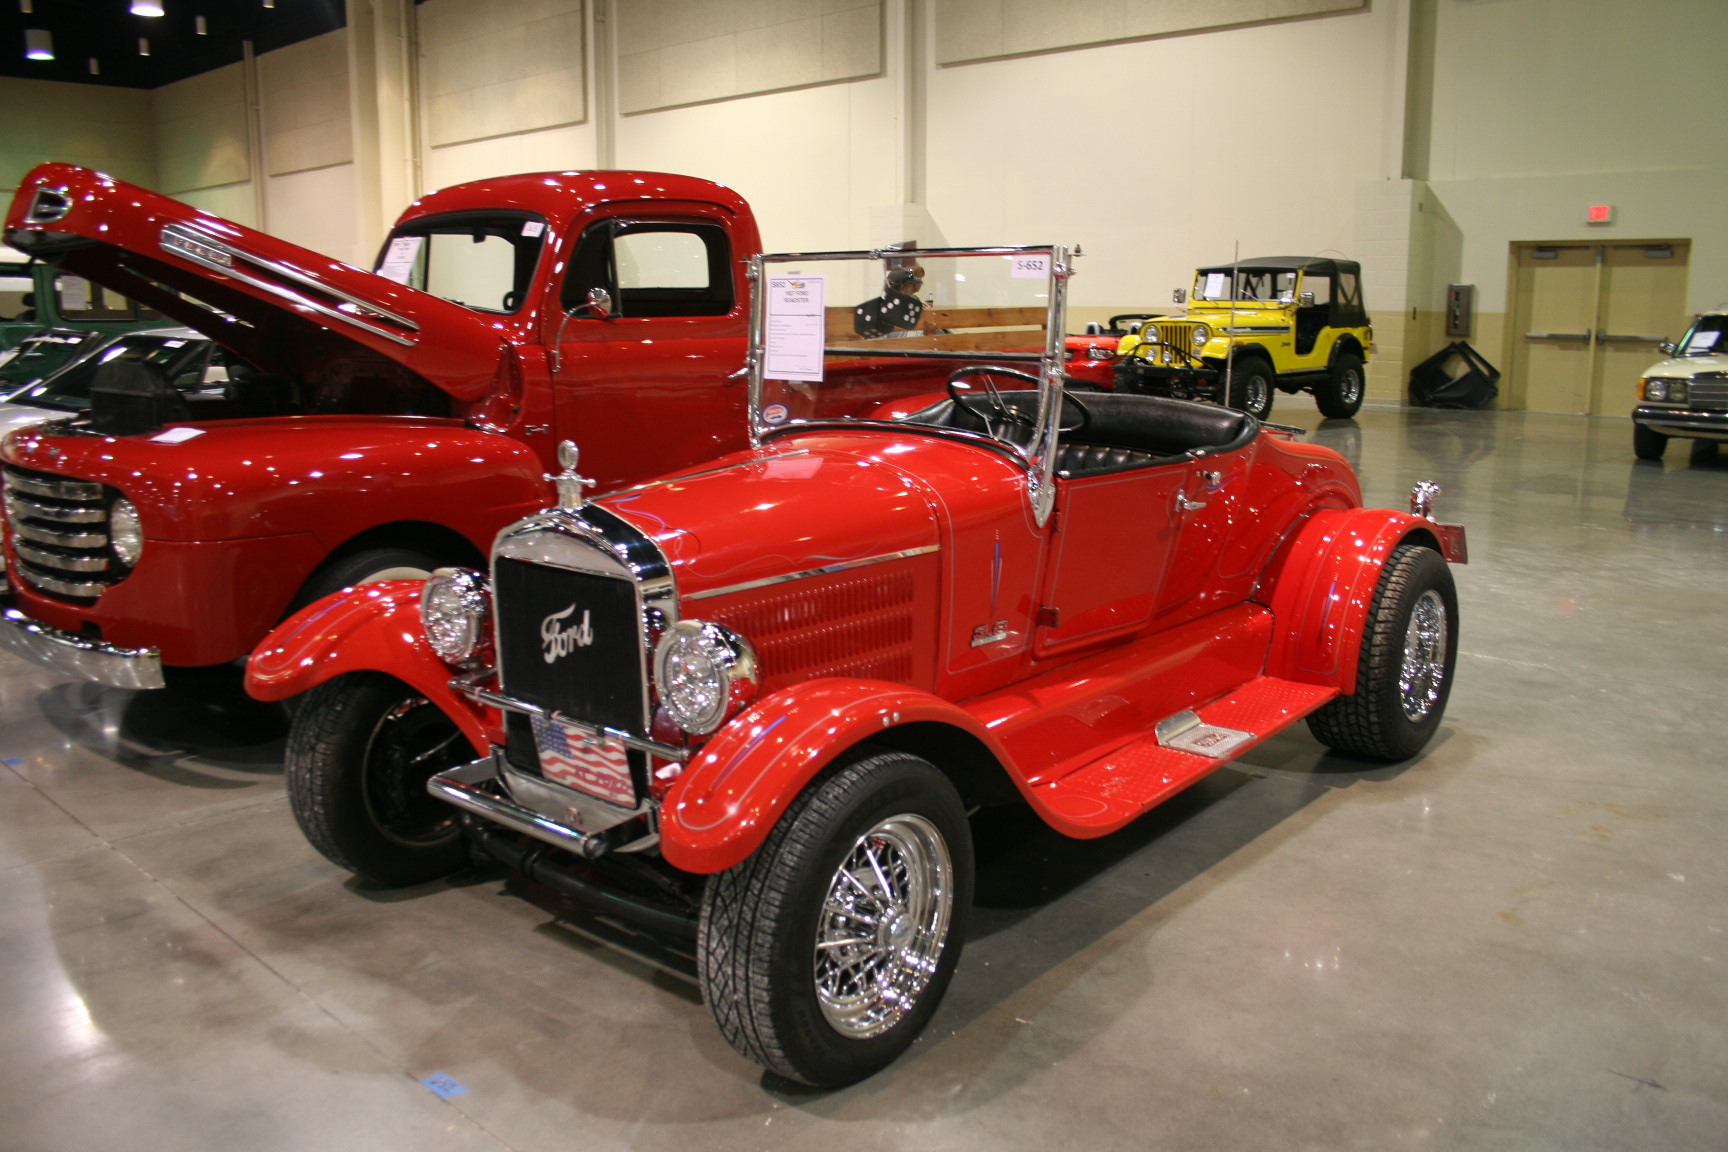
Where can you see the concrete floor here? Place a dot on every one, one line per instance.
(1514, 942)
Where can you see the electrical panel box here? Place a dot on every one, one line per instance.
(1460, 309)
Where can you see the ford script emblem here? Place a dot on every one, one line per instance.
(557, 641)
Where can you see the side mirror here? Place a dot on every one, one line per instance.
(1180, 296)
(1666, 347)
(599, 302)
(1307, 299)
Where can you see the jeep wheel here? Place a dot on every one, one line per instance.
(825, 953)
(360, 751)
(1409, 649)
(1251, 386)
(1647, 443)
(1341, 394)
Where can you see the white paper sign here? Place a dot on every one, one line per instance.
(1215, 285)
(399, 258)
(796, 327)
(1031, 267)
(532, 228)
(177, 435)
(74, 293)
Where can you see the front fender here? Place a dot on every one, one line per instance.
(728, 799)
(374, 628)
(1321, 585)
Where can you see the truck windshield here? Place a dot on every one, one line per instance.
(484, 262)
(1707, 337)
(905, 337)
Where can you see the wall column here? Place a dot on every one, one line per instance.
(386, 116)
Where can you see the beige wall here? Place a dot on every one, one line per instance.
(201, 133)
(109, 129)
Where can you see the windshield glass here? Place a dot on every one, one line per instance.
(484, 262)
(69, 389)
(868, 337)
(1252, 284)
(1708, 337)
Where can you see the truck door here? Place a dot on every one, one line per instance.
(658, 362)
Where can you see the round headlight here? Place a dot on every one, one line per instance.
(1677, 391)
(1202, 335)
(125, 534)
(1655, 389)
(453, 611)
(704, 672)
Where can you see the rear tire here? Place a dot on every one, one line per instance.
(1647, 443)
(1409, 652)
(360, 751)
(1252, 386)
(825, 953)
(1340, 396)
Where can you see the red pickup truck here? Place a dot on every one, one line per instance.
(364, 424)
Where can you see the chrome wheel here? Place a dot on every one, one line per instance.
(884, 922)
(1350, 387)
(1424, 669)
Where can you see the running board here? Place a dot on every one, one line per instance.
(1106, 794)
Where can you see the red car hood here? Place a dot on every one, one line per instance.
(272, 302)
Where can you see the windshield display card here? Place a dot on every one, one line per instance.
(796, 328)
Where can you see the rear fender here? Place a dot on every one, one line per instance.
(728, 799)
(374, 628)
(1321, 585)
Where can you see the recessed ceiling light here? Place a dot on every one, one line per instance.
(143, 46)
(199, 26)
(38, 44)
(95, 66)
(146, 7)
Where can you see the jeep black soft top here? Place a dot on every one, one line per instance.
(1346, 276)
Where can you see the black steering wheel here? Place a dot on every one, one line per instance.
(1000, 414)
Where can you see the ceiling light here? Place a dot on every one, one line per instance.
(269, 3)
(143, 46)
(95, 66)
(38, 44)
(26, 7)
(199, 26)
(146, 7)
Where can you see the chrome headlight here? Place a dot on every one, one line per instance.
(454, 609)
(704, 672)
(1202, 335)
(1655, 389)
(1677, 391)
(125, 534)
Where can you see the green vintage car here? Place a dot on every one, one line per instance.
(48, 316)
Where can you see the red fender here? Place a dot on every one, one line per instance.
(727, 800)
(373, 628)
(1320, 587)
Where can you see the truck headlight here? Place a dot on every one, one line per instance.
(125, 534)
(704, 672)
(1202, 335)
(454, 608)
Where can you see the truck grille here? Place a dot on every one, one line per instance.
(1174, 337)
(60, 533)
(1709, 391)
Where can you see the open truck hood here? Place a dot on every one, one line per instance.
(282, 307)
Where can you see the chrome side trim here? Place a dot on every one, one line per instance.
(216, 254)
(27, 531)
(809, 572)
(469, 686)
(87, 659)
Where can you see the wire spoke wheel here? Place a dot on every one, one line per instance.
(883, 925)
(1424, 668)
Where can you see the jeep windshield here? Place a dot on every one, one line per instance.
(902, 336)
(480, 260)
(1708, 336)
(1252, 285)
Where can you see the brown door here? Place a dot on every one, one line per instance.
(1587, 318)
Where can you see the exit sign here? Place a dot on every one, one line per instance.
(1599, 214)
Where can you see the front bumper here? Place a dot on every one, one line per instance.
(587, 826)
(79, 656)
(1682, 421)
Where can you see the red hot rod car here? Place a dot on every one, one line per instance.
(755, 701)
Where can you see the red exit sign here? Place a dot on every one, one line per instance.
(1599, 214)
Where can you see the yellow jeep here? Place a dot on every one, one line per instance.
(1295, 323)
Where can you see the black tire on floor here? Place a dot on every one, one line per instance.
(790, 940)
(363, 567)
(1702, 452)
(1341, 394)
(1409, 652)
(360, 750)
(1252, 386)
(1647, 443)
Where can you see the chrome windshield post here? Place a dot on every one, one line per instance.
(1041, 467)
(755, 359)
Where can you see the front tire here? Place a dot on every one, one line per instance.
(1647, 443)
(360, 751)
(1409, 652)
(1251, 386)
(1340, 396)
(823, 955)
(364, 567)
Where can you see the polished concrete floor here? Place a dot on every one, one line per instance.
(1515, 942)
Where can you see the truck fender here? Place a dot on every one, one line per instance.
(1320, 586)
(374, 628)
(729, 797)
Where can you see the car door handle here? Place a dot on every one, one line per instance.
(1183, 504)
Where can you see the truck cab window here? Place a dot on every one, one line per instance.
(483, 262)
(654, 268)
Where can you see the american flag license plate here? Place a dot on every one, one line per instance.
(594, 765)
